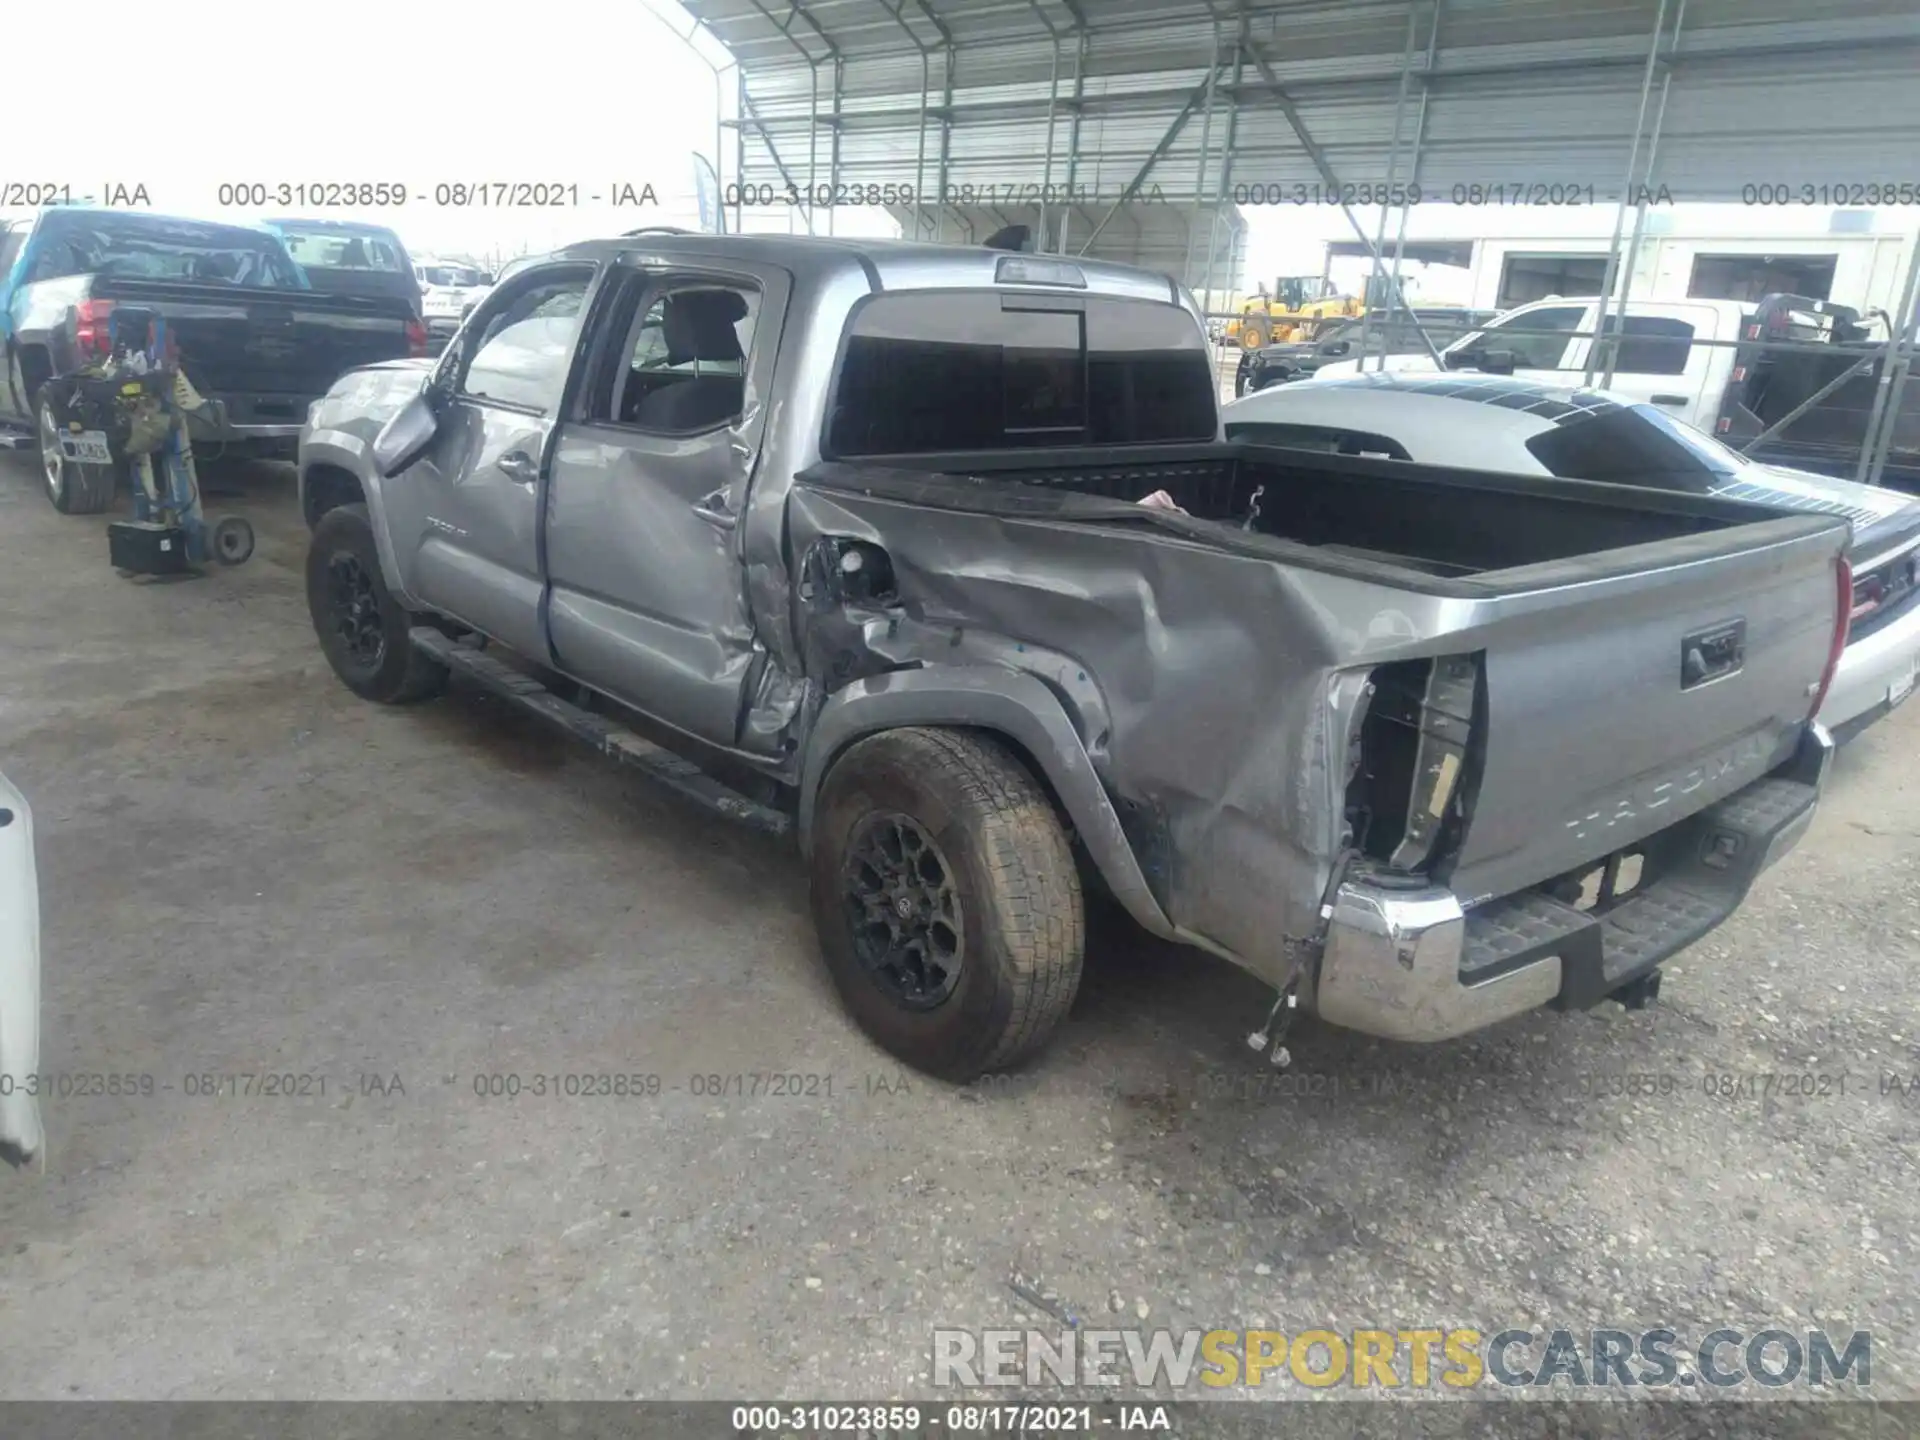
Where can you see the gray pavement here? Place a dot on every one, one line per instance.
(247, 872)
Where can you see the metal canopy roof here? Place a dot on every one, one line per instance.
(1182, 108)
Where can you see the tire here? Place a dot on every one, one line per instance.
(1253, 334)
(74, 488)
(1019, 922)
(231, 540)
(361, 627)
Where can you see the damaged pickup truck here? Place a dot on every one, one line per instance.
(856, 525)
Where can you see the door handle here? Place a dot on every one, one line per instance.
(1669, 399)
(518, 467)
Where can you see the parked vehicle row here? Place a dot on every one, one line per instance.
(1398, 333)
(1710, 363)
(941, 558)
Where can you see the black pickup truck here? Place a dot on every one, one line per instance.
(253, 337)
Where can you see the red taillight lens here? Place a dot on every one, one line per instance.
(416, 338)
(90, 329)
(1842, 622)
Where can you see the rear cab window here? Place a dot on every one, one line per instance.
(1325, 439)
(150, 247)
(1633, 445)
(942, 371)
(320, 248)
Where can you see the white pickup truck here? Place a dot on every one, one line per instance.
(1659, 362)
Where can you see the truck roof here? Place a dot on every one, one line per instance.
(889, 264)
(122, 214)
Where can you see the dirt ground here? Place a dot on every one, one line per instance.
(247, 872)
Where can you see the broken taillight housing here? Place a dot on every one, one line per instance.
(91, 328)
(1413, 762)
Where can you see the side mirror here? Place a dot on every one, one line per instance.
(1336, 347)
(405, 438)
(1497, 362)
(1463, 359)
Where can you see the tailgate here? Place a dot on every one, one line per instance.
(236, 339)
(1616, 706)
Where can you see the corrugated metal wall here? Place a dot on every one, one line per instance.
(1518, 93)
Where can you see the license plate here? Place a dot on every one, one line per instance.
(89, 447)
(1900, 689)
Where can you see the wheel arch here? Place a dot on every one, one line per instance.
(1017, 710)
(333, 472)
(326, 485)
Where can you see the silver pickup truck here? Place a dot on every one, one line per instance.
(848, 538)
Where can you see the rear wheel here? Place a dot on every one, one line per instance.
(946, 900)
(362, 628)
(74, 488)
(1253, 334)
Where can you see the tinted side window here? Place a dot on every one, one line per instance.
(1327, 439)
(523, 353)
(1651, 344)
(1620, 446)
(932, 371)
(1538, 340)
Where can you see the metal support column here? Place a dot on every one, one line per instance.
(1053, 102)
(1877, 444)
(897, 9)
(1073, 131)
(1206, 151)
(1278, 93)
(1226, 164)
(1378, 283)
(1612, 335)
(1154, 157)
(739, 147)
(1633, 169)
(1413, 165)
(796, 14)
(833, 158)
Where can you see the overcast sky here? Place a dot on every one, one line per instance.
(596, 94)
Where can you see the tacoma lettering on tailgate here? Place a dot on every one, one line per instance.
(1648, 796)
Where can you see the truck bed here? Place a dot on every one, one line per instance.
(1429, 527)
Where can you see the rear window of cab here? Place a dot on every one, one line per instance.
(928, 372)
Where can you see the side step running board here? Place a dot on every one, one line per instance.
(609, 737)
(17, 440)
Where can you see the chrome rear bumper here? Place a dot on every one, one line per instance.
(1413, 964)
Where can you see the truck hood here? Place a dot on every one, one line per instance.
(20, 1135)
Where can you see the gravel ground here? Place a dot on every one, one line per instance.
(246, 871)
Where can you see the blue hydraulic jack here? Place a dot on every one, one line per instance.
(133, 407)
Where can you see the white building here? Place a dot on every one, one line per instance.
(1497, 257)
